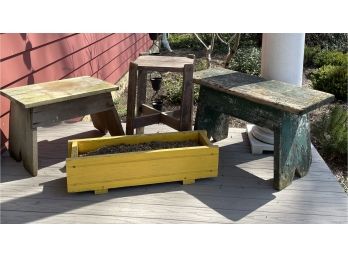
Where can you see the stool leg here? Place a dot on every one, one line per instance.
(132, 85)
(292, 150)
(187, 99)
(141, 97)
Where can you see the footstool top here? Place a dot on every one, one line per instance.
(57, 91)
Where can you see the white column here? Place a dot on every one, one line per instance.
(281, 59)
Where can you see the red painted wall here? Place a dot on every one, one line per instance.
(29, 58)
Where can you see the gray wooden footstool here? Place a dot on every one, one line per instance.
(45, 103)
(278, 106)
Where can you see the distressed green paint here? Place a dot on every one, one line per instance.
(272, 104)
(276, 94)
(214, 107)
(292, 149)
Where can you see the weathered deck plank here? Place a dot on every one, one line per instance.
(242, 193)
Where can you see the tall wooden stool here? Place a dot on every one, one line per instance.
(138, 113)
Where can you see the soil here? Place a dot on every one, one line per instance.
(154, 145)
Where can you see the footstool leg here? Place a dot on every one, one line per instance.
(16, 131)
(292, 150)
(29, 151)
(23, 138)
(108, 120)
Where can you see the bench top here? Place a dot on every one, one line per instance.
(277, 94)
(57, 91)
(169, 63)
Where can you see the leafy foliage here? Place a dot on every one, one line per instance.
(250, 40)
(328, 41)
(185, 41)
(189, 41)
(331, 79)
(330, 58)
(173, 89)
(331, 132)
(309, 55)
(247, 60)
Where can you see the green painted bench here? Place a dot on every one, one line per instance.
(275, 105)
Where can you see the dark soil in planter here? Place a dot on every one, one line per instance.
(154, 145)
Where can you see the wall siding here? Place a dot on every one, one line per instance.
(28, 58)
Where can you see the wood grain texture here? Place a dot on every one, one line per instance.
(186, 99)
(168, 63)
(57, 91)
(292, 150)
(142, 76)
(276, 94)
(242, 193)
(55, 112)
(131, 100)
(23, 138)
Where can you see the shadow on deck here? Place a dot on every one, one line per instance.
(242, 193)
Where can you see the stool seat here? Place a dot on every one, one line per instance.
(165, 63)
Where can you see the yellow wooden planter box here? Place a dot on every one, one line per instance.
(100, 172)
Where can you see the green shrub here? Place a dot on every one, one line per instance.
(188, 40)
(331, 133)
(331, 79)
(200, 64)
(330, 58)
(250, 40)
(328, 41)
(309, 55)
(173, 90)
(247, 60)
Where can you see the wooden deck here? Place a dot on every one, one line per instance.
(242, 193)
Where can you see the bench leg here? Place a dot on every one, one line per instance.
(29, 149)
(23, 138)
(292, 150)
(214, 122)
(108, 120)
(16, 131)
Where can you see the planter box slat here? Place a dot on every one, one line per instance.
(100, 172)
